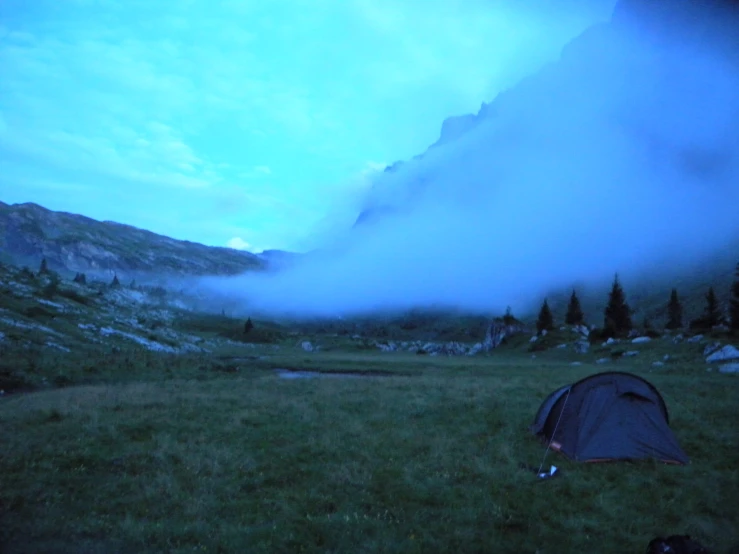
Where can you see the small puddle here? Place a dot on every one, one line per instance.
(303, 374)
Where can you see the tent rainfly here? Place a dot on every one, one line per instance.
(608, 416)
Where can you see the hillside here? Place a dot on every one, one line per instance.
(74, 243)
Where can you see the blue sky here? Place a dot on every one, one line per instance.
(242, 122)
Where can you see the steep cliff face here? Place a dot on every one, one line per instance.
(663, 73)
(75, 243)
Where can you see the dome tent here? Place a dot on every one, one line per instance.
(608, 416)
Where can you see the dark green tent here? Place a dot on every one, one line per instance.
(608, 416)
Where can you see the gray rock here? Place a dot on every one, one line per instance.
(641, 340)
(497, 332)
(666, 357)
(533, 339)
(729, 368)
(307, 346)
(560, 346)
(658, 364)
(476, 349)
(602, 361)
(582, 347)
(678, 339)
(727, 353)
(611, 341)
(631, 353)
(696, 338)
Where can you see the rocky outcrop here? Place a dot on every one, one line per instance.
(498, 331)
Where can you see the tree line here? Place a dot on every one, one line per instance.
(617, 320)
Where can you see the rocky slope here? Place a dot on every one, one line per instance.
(74, 243)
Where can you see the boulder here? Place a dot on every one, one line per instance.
(641, 340)
(476, 349)
(696, 338)
(498, 331)
(658, 364)
(631, 353)
(726, 353)
(581, 347)
(307, 346)
(729, 368)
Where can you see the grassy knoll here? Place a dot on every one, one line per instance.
(218, 454)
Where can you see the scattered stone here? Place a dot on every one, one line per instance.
(728, 352)
(544, 333)
(476, 349)
(666, 357)
(611, 341)
(658, 364)
(582, 347)
(583, 330)
(640, 340)
(498, 331)
(677, 339)
(560, 346)
(533, 339)
(696, 338)
(602, 361)
(729, 368)
(631, 353)
(307, 346)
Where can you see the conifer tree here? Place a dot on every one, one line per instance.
(617, 313)
(713, 313)
(674, 312)
(509, 318)
(43, 268)
(115, 282)
(734, 302)
(574, 311)
(248, 326)
(545, 321)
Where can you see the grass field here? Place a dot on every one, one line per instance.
(420, 454)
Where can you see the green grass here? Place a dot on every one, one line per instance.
(188, 454)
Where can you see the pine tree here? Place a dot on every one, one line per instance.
(574, 311)
(713, 313)
(545, 322)
(509, 318)
(674, 312)
(43, 268)
(734, 302)
(248, 326)
(115, 282)
(617, 313)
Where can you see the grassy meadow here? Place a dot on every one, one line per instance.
(134, 452)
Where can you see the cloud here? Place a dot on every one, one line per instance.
(587, 169)
(135, 103)
(238, 243)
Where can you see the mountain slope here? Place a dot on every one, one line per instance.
(652, 65)
(74, 243)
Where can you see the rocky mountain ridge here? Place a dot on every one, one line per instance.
(73, 243)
